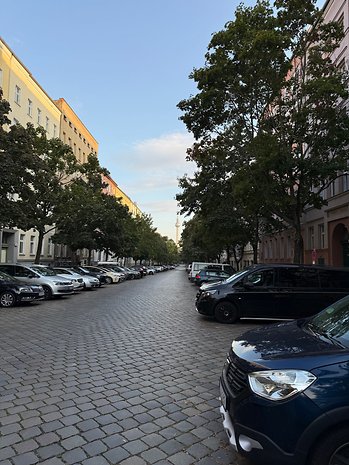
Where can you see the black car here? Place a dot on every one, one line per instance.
(284, 391)
(210, 275)
(273, 291)
(12, 291)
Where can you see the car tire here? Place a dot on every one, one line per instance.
(48, 292)
(333, 448)
(108, 280)
(7, 299)
(226, 312)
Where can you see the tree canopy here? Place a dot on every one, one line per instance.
(270, 131)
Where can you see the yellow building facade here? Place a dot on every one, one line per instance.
(113, 189)
(74, 133)
(29, 104)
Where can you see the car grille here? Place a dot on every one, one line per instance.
(236, 377)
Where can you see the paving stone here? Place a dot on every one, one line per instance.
(118, 376)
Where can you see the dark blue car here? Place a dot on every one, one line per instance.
(285, 391)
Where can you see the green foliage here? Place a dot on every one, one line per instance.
(270, 133)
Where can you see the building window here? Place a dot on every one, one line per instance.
(15, 121)
(39, 116)
(1, 77)
(17, 95)
(47, 125)
(345, 182)
(321, 236)
(64, 137)
(69, 141)
(79, 157)
(311, 242)
(332, 189)
(32, 245)
(54, 130)
(21, 243)
(49, 247)
(282, 248)
(74, 149)
(289, 247)
(30, 108)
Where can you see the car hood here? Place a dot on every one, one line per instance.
(287, 345)
(212, 285)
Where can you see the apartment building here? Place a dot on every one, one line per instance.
(29, 104)
(74, 133)
(113, 189)
(325, 231)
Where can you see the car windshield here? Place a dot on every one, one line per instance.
(236, 276)
(332, 323)
(44, 271)
(7, 277)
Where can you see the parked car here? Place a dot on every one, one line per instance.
(273, 291)
(208, 276)
(13, 291)
(101, 276)
(284, 391)
(123, 273)
(150, 270)
(52, 284)
(110, 275)
(197, 266)
(76, 279)
(88, 282)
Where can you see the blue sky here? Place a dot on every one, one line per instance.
(122, 66)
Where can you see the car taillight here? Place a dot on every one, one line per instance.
(197, 276)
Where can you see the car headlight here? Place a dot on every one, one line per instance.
(280, 384)
(208, 293)
(24, 289)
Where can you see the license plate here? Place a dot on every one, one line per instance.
(223, 396)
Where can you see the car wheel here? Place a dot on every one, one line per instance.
(48, 292)
(333, 449)
(7, 299)
(225, 312)
(108, 280)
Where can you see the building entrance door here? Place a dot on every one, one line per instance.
(345, 245)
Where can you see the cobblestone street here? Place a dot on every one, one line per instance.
(127, 374)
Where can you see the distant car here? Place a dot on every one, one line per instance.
(151, 270)
(100, 275)
(88, 282)
(110, 275)
(208, 276)
(13, 291)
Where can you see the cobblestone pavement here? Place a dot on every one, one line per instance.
(127, 374)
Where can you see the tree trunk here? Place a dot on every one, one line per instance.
(89, 256)
(298, 255)
(39, 247)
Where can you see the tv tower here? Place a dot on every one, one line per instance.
(178, 225)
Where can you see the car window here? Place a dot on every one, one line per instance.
(261, 278)
(44, 271)
(7, 277)
(298, 277)
(333, 322)
(334, 279)
(22, 271)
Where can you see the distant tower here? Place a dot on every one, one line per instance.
(178, 225)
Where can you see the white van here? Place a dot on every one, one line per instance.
(197, 266)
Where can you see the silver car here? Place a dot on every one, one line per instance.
(89, 282)
(53, 284)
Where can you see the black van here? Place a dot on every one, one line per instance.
(273, 291)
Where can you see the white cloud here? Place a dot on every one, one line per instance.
(148, 172)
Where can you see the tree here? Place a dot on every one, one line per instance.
(278, 137)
